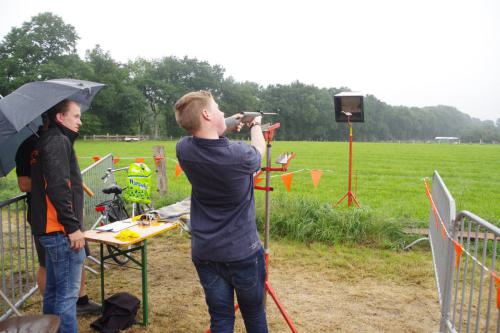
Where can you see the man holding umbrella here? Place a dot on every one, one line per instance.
(56, 182)
(23, 171)
(57, 211)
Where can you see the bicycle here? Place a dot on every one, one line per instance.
(115, 210)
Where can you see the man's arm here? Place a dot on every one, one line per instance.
(24, 183)
(256, 136)
(23, 167)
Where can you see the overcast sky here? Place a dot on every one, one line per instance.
(406, 52)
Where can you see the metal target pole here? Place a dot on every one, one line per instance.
(267, 205)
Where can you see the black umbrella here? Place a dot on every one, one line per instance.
(20, 111)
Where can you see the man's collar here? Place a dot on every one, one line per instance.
(211, 142)
(71, 135)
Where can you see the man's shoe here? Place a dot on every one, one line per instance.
(88, 308)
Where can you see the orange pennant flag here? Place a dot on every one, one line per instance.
(178, 169)
(116, 159)
(316, 176)
(287, 180)
(96, 158)
(458, 252)
(497, 283)
(256, 177)
(158, 159)
(139, 160)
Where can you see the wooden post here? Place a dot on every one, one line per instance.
(161, 169)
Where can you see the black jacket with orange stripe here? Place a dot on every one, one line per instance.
(56, 183)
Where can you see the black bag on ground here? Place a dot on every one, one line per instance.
(119, 313)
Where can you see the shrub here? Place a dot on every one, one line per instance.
(306, 219)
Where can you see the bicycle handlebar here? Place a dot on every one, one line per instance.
(109, 171)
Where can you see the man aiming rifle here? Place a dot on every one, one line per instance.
(226, 249)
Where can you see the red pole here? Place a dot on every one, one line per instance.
(351, 198)
(349, 192)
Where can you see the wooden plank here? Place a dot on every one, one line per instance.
(161, 170)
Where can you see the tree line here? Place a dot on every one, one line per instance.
(140, 94)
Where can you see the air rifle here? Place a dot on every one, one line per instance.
(246, 117)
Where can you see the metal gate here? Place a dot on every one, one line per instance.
(92, 177)
(17, 257)
(464, 251)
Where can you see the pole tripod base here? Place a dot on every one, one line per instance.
(270, 290)
(350, 199)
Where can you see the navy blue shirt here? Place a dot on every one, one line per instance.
(222, 197)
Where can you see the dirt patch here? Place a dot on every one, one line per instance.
(317, 296)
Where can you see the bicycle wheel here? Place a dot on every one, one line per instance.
(117, 212)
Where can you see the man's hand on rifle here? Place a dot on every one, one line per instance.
(255, 121)
(233, 123)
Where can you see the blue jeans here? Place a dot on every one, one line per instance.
(64, 271)
(245, 277)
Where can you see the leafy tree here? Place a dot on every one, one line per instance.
(147, 80)
(164, 81)
(24, 50)
(236, 96)
(119, 104)
(180, 76)
(92, 124)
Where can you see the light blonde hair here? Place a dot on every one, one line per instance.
(188, 109)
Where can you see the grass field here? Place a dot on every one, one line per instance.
(387, 177)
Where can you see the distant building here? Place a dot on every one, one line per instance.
(447, 139)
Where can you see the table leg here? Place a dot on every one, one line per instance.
(145, 306)
(101, 249)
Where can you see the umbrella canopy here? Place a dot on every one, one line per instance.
(9, 148)
(24, 106)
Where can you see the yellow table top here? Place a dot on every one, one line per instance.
(144, 232)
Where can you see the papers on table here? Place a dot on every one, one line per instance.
(117, 226)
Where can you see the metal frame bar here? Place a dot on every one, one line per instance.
(18, 280)
(143, 264)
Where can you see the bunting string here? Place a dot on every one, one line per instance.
(302, 170)
(286, 177)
